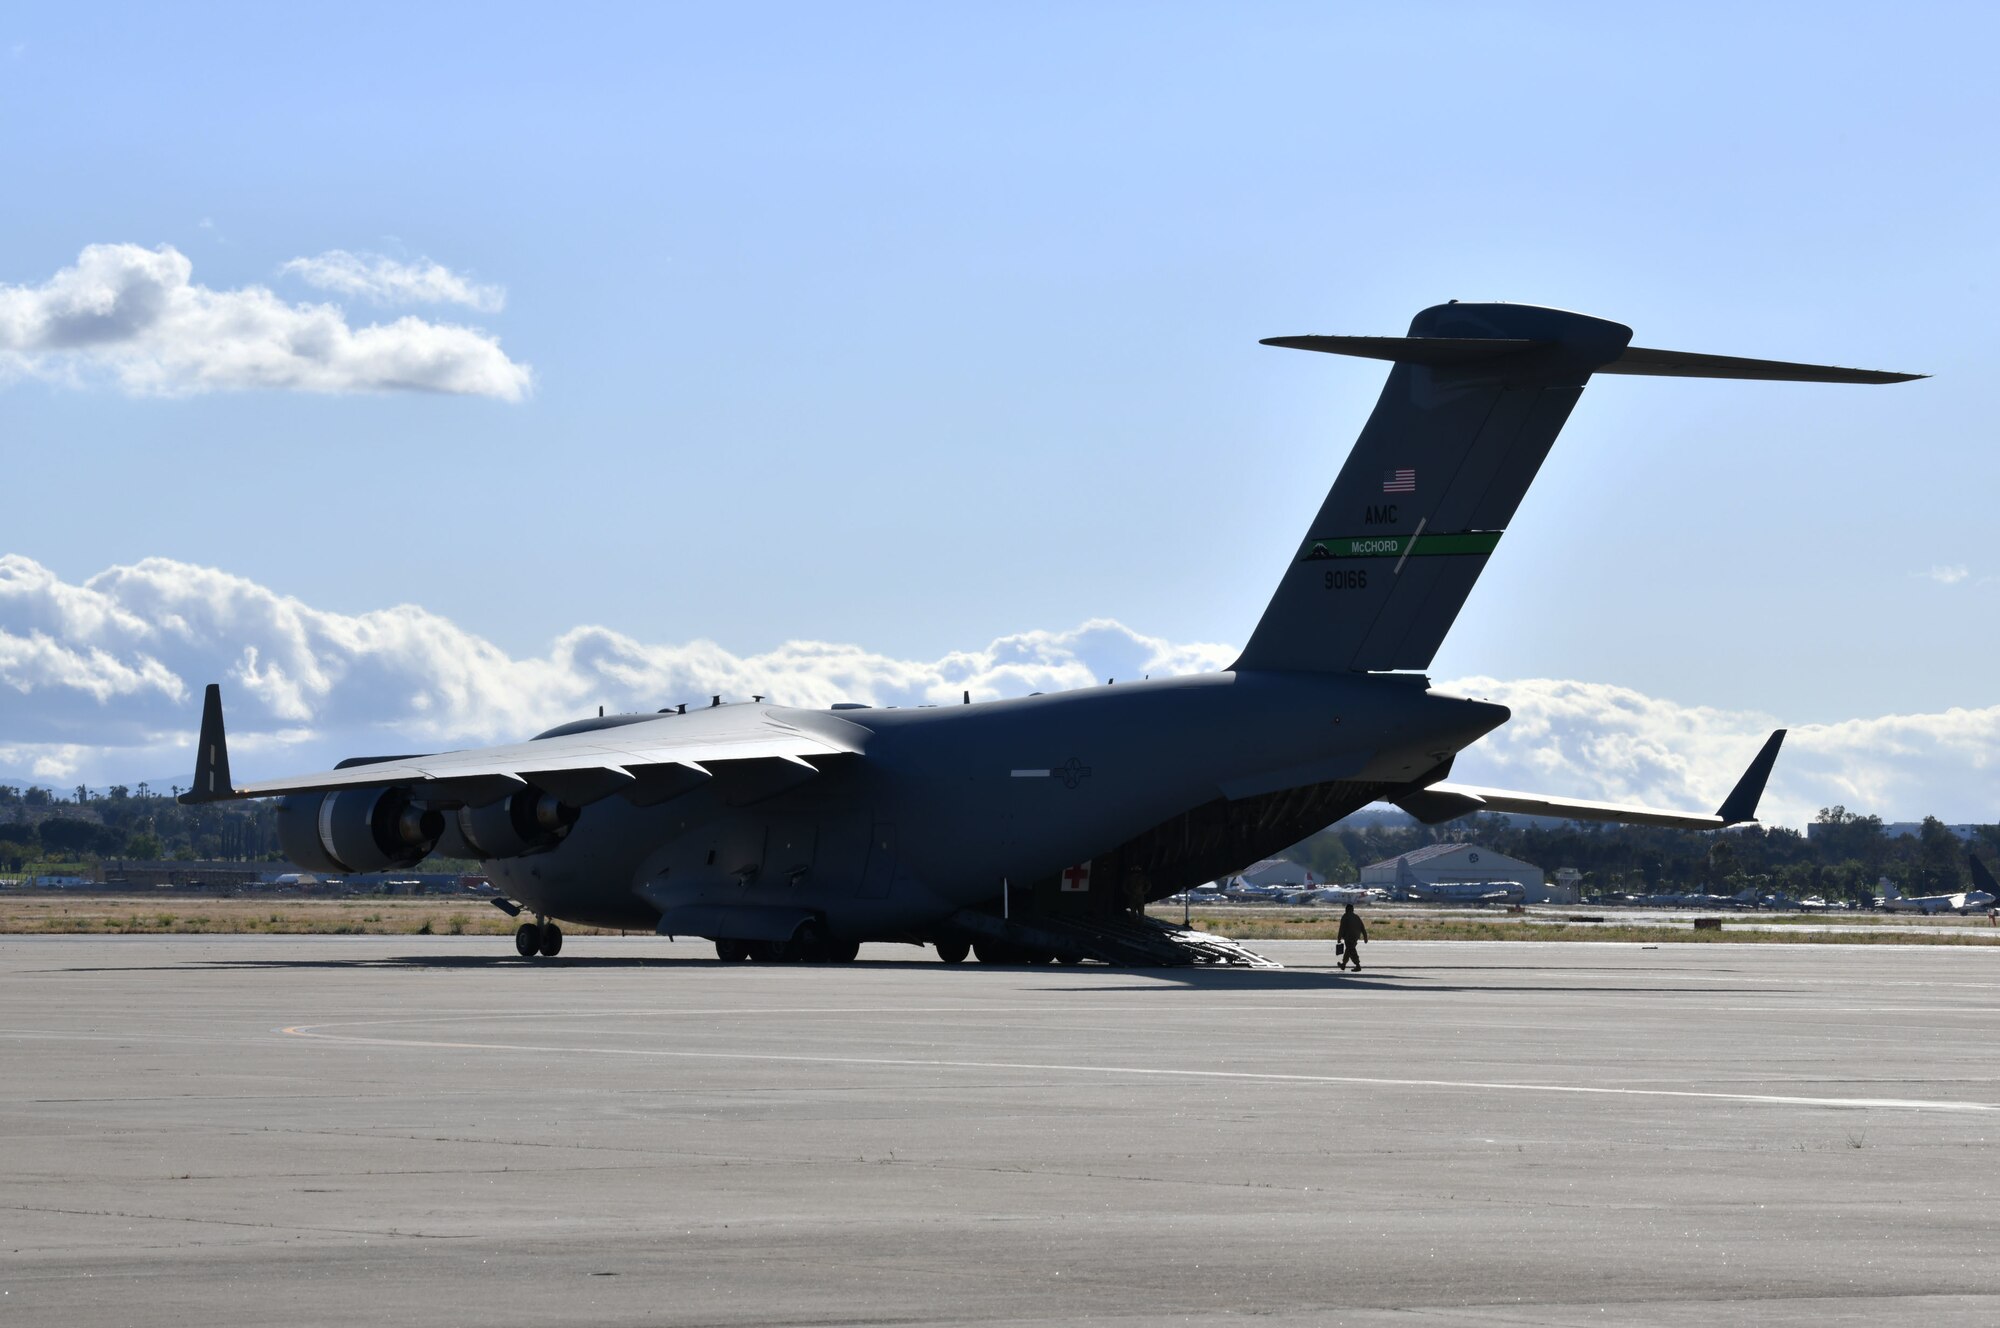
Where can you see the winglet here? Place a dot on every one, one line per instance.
(1741, 804)
(211, 754)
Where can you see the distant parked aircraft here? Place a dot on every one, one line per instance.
(1345, 894)
(1469, 892)
(1968, 901)
(1746, 898)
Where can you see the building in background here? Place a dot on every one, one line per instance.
(1278, 871)
(1456, 864)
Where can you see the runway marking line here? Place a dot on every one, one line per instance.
(314, 1031)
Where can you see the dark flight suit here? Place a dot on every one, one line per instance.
(1353, 931)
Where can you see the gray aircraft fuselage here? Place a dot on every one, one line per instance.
(1161, 784)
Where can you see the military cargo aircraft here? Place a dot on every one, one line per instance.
(1036, 828)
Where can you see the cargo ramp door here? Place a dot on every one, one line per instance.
(1122, 940)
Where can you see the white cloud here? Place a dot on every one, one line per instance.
(1947, 574)
(384, 280)
(119, 659)
(136, 318)
(99, 683)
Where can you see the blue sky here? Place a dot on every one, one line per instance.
(915, 327)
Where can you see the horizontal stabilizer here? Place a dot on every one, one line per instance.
(1413, 350)
(1685, 364)
(1446, 352)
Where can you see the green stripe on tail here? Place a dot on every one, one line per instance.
(1401, 546)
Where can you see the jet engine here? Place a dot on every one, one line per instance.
(357, 830)
(530, 821)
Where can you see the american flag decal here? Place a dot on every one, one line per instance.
(1400, 481)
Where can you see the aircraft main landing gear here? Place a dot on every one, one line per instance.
(531, 939)
(811, 945)
(953, 952)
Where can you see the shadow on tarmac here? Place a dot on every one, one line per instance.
(1201, 978)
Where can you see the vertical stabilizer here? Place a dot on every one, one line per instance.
(1475, 400)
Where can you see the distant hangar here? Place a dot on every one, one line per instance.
(1451, 864)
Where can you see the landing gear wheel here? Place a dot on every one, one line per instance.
(1069, 959)
(996, 952)
(840, 952)
(527, 939)
(731, 951)
(551, 940)
(953, 952)
(808, 944)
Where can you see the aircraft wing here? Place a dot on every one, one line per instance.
(659, 754)
(1443, 802)
(1474, 799)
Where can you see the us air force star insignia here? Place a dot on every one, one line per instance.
(1072, 774)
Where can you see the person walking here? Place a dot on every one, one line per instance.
(1353, 931)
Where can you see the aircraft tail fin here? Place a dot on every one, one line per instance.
(1889, 890)
(1982, 879)
(1475, 399)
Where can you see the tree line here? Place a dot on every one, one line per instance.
(39, 825)
(1843, 857)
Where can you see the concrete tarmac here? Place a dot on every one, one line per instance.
(305, 1130)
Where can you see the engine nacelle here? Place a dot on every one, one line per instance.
(357, 830)
(530, 821)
